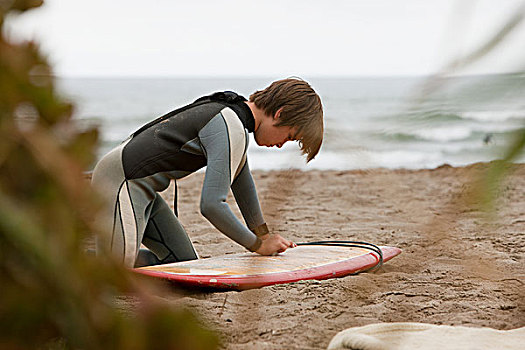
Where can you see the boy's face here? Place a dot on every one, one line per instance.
(269, 134)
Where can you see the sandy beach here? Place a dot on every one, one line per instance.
(459, 266)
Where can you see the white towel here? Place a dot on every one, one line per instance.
(422, 336)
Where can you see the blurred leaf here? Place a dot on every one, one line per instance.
(436, 81)
(53, 295)
(488, 186)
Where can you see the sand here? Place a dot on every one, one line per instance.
(460, 266)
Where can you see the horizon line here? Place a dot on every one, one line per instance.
(273, 76)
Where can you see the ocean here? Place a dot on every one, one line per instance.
(379, 122)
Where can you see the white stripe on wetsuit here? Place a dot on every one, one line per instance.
(129, 225)
(237, 138)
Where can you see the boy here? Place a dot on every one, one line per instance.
(211, 132)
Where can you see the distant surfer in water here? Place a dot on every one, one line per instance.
(211, 132)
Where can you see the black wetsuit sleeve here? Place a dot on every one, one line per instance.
(215, 139)
(246, 197)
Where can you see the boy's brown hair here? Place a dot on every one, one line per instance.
(302, 109)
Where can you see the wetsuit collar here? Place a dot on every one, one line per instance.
(237, 103)
(246, 116)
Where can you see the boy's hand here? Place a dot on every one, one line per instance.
(273, 244)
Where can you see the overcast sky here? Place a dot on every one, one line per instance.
(269, 38)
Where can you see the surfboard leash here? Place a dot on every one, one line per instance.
(353, 244)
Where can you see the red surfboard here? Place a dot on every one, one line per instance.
(249, 270)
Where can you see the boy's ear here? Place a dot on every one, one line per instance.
(277, 114)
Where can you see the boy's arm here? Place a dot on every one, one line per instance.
(217, 140)
(245, 193)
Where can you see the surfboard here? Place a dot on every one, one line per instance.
(250, 270)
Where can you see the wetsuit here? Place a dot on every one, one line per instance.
(211, 132)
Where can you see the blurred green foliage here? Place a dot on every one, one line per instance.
(52, 295)
(487, 186)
